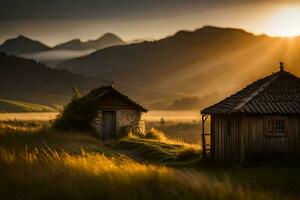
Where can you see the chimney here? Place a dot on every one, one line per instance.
(281, 66)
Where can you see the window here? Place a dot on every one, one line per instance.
(276, 127)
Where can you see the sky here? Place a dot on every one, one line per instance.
(56, 21)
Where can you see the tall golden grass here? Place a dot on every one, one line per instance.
(44, 164)
(48, 174)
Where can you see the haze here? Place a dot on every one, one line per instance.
(57, 21)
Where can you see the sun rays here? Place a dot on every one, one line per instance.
(285, 21)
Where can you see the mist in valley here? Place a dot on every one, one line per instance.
(54, 57)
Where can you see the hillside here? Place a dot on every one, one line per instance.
(28, 80)
(210, 63)
(22, 45)
(107, 40)
(13, 106)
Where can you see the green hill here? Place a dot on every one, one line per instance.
(20, 106)
(31, 81)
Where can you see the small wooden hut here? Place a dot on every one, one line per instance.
(116, 111)
(261, 119)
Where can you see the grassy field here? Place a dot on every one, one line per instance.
(150, 116)
(189, 132)
(13, 106)
(39, 163)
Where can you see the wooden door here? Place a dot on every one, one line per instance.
(109, 125)
(231, 136)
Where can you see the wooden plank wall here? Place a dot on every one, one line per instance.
(255, 138)
(226, 146)
(294, 134)
(248, 134)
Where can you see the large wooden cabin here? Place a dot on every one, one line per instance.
(261, 119)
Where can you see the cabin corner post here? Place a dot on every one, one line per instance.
(204, 150)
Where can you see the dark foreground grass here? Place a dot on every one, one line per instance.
(45, 164)
(282, 179)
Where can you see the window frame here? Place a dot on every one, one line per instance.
(279, 127)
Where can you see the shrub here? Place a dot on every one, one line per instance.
(127, 131)
(77, 115)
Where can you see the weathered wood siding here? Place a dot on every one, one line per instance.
(256, 139)
(249, 135)
(225, 137)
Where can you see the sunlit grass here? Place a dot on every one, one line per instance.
(46, 173)
(42, 163)
(174, 116)
(44, 116)
(154, 145)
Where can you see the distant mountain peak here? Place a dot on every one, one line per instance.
(22, 45)
(106, 40)
(109, 35)
(75, 40)
(23, 37)
(210, 28)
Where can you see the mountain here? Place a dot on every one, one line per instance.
(107, 40)
(21, 45)
(74, 44)
(28, 48)
(209, 62)
(27, 80)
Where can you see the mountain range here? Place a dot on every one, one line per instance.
(107, 40)
(32, 49)
(210, 62)
(201, 66)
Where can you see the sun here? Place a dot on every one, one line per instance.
(286, 21)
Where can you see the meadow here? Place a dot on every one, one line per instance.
(151, 116)
(37, 162)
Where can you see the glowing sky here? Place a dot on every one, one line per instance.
(53, 21)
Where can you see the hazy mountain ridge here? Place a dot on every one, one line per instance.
(157, 52)
(107, 40)
(209, 63)
(74, 44)
(32, 49)
(210, 60)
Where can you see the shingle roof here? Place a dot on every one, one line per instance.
(99, 92)
(278, 93)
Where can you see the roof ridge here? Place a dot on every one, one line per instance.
(107, 89)
(252, 95)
